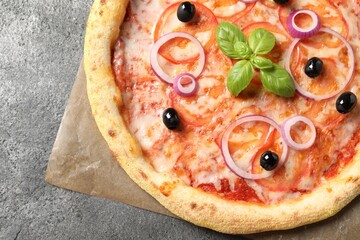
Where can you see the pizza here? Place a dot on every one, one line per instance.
(238, 116)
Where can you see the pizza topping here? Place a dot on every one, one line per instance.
(313, 67)
(206, 114)
(240, 76)
(232, 42)
(231, 10)
(351, 65)
(330, 17)
(278, 81)
(186, 11)
(202, 27)
(212, 101)
(269, 160)
(299, 32)
(281, 1)
(167, 37)
(227, 36)
(171, 119)
(346, 102)
(286, 132)
(185, 85)
(239, 170)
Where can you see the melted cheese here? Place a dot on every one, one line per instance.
(228, 11)
(147, 129)
(195, 149)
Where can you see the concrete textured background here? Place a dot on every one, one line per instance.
(40, 49)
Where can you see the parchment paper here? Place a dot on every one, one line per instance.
(81, 161)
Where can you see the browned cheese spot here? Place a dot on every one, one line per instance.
(106, 109)
(296, 216)
(212, 209)
(114, 154)
(154, 185)
(203, 207)
(357, 180)
(131, 149)
(329, 190)
(193, 205)
(349, 179)
(118, 102)
(132, 146)
(337, 200)
(353, 179)
(143, 175)
(112, 133)
(167, 187)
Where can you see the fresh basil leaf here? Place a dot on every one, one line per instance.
(227, 35)
(261, 62)
(278, 81)
(243, 50)
(240, 76)
(261, 41)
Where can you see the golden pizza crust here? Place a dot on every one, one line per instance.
(191, 204)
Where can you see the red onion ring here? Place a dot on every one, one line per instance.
(307, 94)
(285, 132)
(188, 90)
(225, 147)
(297, 32)
(161, 41)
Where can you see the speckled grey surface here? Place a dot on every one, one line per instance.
(40, 49)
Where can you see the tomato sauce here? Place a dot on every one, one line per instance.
(241, 192)
(344, 156)
(193, 153)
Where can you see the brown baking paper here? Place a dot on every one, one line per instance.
(81, 161)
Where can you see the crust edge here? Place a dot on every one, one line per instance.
(191, 204)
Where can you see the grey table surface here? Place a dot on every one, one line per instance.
(41, 46)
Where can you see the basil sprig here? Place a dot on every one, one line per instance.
(261, 41)
(232, 42)
(227, 35)
(240, 76)
(278, 81)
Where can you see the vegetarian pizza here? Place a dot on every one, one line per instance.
(239, 116)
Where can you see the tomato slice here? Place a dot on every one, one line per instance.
(244, 143)
(330, 17)
(239, 9)
(271, 141)
(315, 161)
(333, 73)
(323, 84)
(212, 99)
(337, 3)
(203, 27)
(228, 9)
(249, 141)
(323, 113)
(270, 3)
(303, 169)
(285, 178)
(283, 40)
